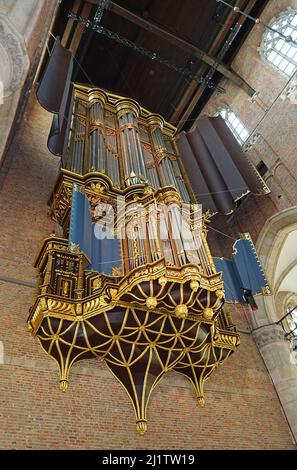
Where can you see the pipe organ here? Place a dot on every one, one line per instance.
(124, 142)
(132, 282)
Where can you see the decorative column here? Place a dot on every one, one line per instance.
(46, 284)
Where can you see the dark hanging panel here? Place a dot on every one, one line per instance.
(219, 171)
(57, 140)
(52, 92)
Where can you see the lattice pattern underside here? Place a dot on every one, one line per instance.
(138, 347)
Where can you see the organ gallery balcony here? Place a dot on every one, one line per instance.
(154, 319)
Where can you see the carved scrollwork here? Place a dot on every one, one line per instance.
(13, 57)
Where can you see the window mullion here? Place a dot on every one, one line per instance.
(274, 44)
(226, 115)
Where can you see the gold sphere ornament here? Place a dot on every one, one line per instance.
(162, 281)
(151, 302)
(181, 311)
(194, 285)
(141, 427)
(220, 294)
(208, 313)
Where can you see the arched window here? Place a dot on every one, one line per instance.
(280, 52)
(236, 126)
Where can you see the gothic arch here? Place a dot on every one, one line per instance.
(278, 261)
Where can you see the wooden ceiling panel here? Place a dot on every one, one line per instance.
(108, 64)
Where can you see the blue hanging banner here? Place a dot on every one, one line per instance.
(106, 252)
(243, 271)
(99, 245)
(81, 226)
(232, 287)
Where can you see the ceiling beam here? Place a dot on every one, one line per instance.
(86, 11)
(189, 105)
(179, 42)
(180, 114)
(69, 25)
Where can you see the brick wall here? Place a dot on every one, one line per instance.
(274, 119)
(272, 115)
(242, 409)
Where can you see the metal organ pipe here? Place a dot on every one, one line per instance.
(126, 157)
(97, 154)
(110, 169)
(134, 167)
(167, 170)
(73, 148)
(153, 177)
(101, 152)
(78, 154)
(142, 258)
(169, 167)
(187, 237)
(77, 158)
(203, 255)
(116, 172)
(150, 164)
(153, 232)
(131, 254)
(160, 150)
(180, 182)
(176, 223)
(77, 162)
(165, 239)
(102, 143)
(153, 241)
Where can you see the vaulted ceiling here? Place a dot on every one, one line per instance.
(187, 33)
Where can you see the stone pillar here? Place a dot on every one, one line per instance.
(13, 57)
(22, 23)
(282, 366)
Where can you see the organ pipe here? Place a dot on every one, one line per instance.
(124, 145)
(134, 167)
